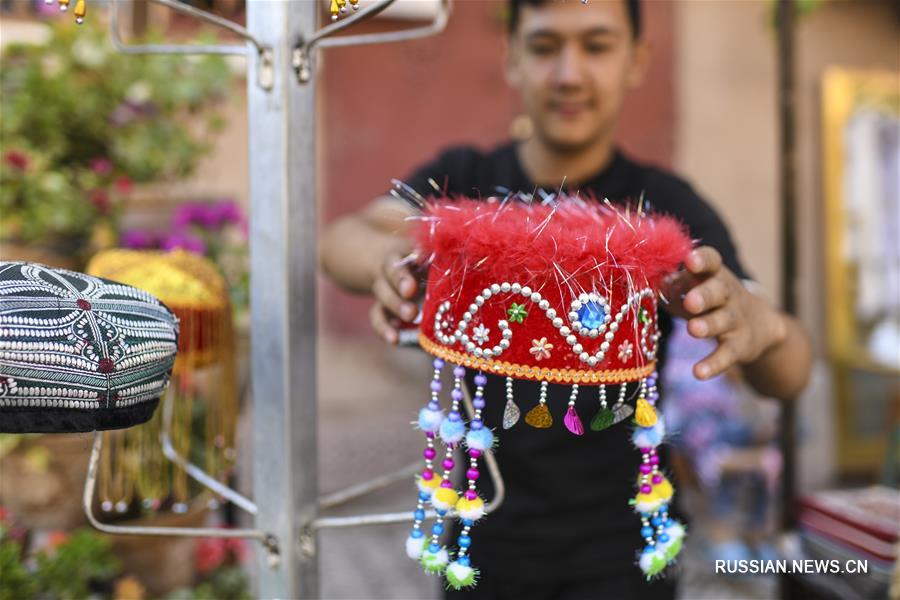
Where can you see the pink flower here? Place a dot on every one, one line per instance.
(101, 166)
(626, 349)
(541, 348)
(123, 185)
(16, 159)
(209, 554)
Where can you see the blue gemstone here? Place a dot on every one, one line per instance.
(417, 533)
(437, 529)
(646, 532)
(464, 541)
(591, 314)
(464, 561)
(419, 515)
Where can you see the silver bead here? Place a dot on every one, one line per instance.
(495, 288)
(505, 287)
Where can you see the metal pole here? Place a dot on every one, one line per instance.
(283, 305)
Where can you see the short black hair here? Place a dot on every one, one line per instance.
(633, 7)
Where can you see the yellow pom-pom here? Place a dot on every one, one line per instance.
(645, 414)
(444, 498)
(428, 485)
(664, 490)
(644, 503)
(470, 509)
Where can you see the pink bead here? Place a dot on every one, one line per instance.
(645, 469)
(657, 478)
(646, 450)
(472, 474)
(474, 453)
(448, 463)
(654, 460)
(646, 489)
(427, 474)
(471, 494)
(447, 483)
(429, 453)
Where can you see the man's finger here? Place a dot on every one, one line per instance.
(716, 363)
(704, 260)
(390, 300)
(712, 324)
(400, 276)
(709, 295)
(381, 325)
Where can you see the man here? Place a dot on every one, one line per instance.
(565, 529)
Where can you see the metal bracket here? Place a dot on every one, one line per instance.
(264, 53)
(302, 54)
(361, 489)
(269, 541)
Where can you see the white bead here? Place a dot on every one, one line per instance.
(487, 352)
(470, 346)
(584, 297)
(478, 352)
(526, 291)
(584, 356)
(576, 305)
(577, 348)
(479, 300)
(467, 316)
(535, 297)
(544, 304)
(604, 346)
(507, 334)
(486, 293)
(505, 287)
(609, 335)
(573, 316)
(565, 330)
(557, 322)
(504, 344)
(593, 333)
(503, 324)
(571, 339)
(592, 361)
(551, 313)
(516, 288)
(495, 288)
(473, 308)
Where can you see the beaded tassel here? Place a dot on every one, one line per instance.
(430, 420)
(540, 416)
(435, 557)
(460, 573)
(572, 421)
(663, 536)
(511, 412)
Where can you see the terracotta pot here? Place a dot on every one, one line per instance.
(42, 479)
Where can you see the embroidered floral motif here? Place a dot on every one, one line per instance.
(626, 350)
(541, 348)
(480, 334)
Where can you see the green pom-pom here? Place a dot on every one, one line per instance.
(435, 562)
(459, 576)
(673, 550)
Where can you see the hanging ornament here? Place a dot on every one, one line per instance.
(560, 293)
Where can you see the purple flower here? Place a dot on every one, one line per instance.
(185, 241)
(101, 166)
(228, 212)
(138, 239)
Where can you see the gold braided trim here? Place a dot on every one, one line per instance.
(535, 373)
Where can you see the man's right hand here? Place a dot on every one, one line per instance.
(395, 288)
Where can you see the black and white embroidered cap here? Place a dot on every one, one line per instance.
(79, 353)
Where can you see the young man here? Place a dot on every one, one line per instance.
(566, 529)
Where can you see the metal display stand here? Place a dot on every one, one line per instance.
(281, 39)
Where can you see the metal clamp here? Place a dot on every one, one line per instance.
(301, 57)
(264, 53)
(405, 516)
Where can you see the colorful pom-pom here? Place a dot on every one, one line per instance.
(652, 562)
(430, 420)
(415, 546)
(645, 414)
(649, 437)
(435, 561)
(460, 576)
(664, 490)
(452, 432)
(480, 439)
(428, 485)
(647, 503)
(470, 509)
(444, 498)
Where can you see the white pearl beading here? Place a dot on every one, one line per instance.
(609, 327)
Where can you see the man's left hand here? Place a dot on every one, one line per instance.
(717, 305)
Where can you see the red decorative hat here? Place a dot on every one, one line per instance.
(563, 293)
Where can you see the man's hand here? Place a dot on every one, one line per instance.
(717, 305)
(394, 289)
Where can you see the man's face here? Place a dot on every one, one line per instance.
(572, 64)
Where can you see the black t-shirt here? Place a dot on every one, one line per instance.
(566, 511)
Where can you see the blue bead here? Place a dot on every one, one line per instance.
(480, 379)
(454, 416)
(648, 549)
(591, 314)
(424, 495)
(417, 533)
(464, 541)
(438, 363)
(646, 532)
(468, 522)
(656, 521)
(434, 547)
(669, 522)
(419, 515)
(437, 529)
(476, 425)
(440, 512)
(478, 402)
(664, 537)
(464, 561)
